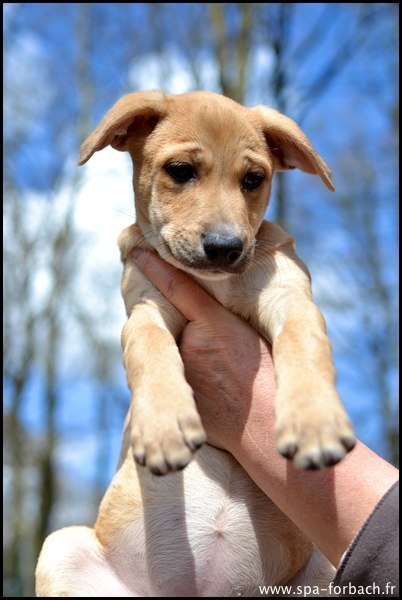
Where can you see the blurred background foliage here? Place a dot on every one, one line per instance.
(332, 67)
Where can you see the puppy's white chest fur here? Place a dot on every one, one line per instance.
(205, 531)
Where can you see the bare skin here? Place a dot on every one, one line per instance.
(222, 352)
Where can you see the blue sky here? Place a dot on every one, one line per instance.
(41, 59)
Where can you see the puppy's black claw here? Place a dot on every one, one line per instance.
(311, 463)
(139, 458)
(196, 443)
(288, 451)
(349, 442)
(332, 458)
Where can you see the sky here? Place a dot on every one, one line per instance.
(105, 199)
(104, 207)
(65, 64)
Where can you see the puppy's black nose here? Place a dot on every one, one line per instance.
(222, 249)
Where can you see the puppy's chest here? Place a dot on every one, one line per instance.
(206, 531)
(199, 547)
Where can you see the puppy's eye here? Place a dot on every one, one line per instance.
(252, 181)
(181, 172)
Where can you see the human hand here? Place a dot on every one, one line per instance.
(231, 371)
(227, 364)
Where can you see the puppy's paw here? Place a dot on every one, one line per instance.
(315, 439)
(164, 440)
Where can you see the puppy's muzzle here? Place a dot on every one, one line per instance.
(222, 249)
(214, 251)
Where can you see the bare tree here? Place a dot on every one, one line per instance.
(72, 81)
(43, 255)
(232, 45)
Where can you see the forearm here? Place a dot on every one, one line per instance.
(329, 506)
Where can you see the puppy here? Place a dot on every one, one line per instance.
(203, 167)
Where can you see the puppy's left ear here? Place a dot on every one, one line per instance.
(289, 146)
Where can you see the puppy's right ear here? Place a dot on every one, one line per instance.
(113, 129)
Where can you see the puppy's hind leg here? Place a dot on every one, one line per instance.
(72, 564)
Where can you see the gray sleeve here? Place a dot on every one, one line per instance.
(371, 564)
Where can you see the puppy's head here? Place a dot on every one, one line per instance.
(203, 167)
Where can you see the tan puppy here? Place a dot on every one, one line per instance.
(203, 167)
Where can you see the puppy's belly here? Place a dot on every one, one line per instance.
(205, 531)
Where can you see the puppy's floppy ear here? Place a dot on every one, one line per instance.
(289, 146)
(113, 129)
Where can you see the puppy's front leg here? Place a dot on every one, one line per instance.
(165, 425)
(311, 423)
